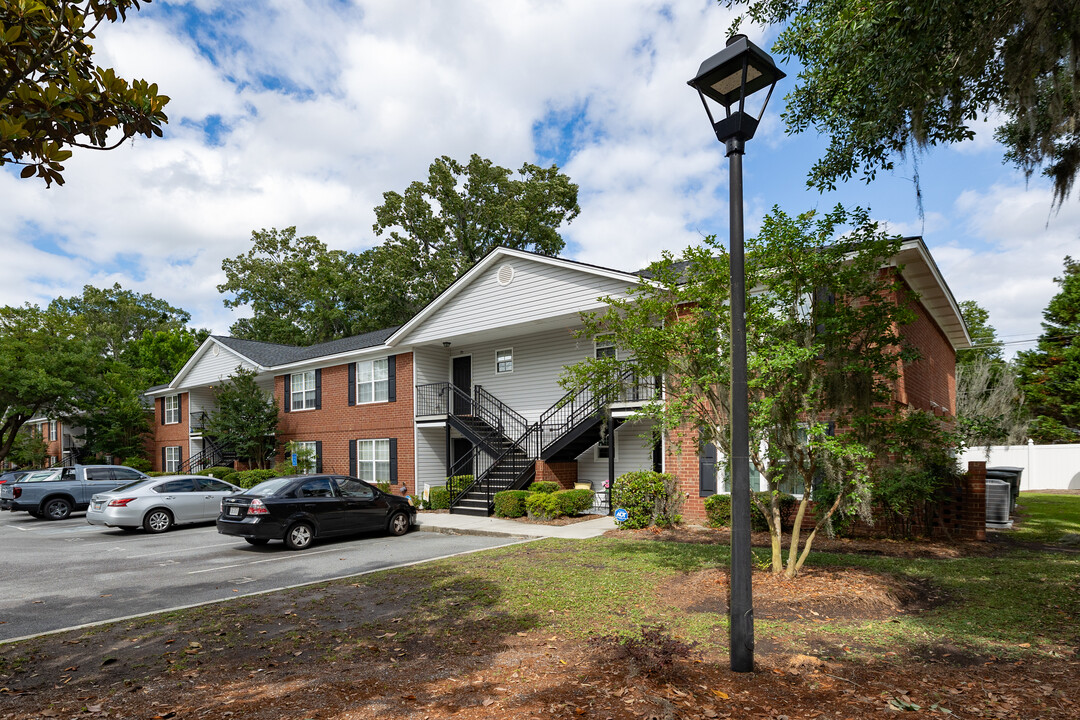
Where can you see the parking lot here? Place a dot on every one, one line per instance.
(61, 574)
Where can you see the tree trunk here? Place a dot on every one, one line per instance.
(774, 534)
(792, 571)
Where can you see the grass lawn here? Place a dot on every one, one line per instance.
(533, 631)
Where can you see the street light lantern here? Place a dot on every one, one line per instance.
(729, 77)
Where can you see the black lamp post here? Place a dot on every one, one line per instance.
(729, 77)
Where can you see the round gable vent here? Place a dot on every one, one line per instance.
(216, 350)
(505, 275)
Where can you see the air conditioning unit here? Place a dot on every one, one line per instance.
(998, 495)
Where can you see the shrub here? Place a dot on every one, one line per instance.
(156, 473)
(251, 478)
(511, 503)
(543, 506)
(218, 472)
(545, 486)
(458, 483)
(650, 498)
(229, 476)
(718, 511)
(438, 498)
(758, 523)
(574, 502)
(136, 463)
(385, 487)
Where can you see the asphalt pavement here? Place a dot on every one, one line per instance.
(63, 574)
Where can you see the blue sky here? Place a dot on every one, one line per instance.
(303, 112)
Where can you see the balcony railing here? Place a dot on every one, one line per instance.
(196, 423)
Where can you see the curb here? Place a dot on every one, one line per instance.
(471, 531)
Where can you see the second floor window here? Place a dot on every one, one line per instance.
(504, 361)
(303, 390)
(372, 381)
(172, 409)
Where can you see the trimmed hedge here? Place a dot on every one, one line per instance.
(157, 473)
(438, 499)
(548, 506)
(545, 486)
(718, 511)
(511, 503)
(458, 483)
(251, 478)
(650, 498)
(217, 471)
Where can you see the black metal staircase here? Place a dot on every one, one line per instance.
(564, 431)
(212, 455)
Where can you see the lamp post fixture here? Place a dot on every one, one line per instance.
(729, 77)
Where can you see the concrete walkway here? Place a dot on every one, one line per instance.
(501, 527)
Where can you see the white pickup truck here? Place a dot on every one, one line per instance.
(55, 493)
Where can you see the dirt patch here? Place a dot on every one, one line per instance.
(918, 548)
(819, 595)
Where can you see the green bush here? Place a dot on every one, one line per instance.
(251, 478)
(217, 471)
(511, 503)
(545, 486)
(574, 502)
(718, 511)
(157, 473)
(459, 483)
(136, 463)
(229, 476)
(650, 498)
(543, 506)
(438, 499)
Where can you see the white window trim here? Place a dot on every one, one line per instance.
(293, 407)
(52, 431)
(509, 350)
(374, 462)
(174, 411)
(599, 341)
(172, 464)
(615, 444)
(373, 382)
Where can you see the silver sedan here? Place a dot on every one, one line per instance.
(159, 503)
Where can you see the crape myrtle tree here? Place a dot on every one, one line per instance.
(245, 419)
(823, 349)
(1050, 374)
(883, 80)
(47, 367)
(52, 95)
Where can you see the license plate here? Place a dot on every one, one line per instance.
(234, 511)
(97, 505)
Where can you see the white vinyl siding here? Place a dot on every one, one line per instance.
(538, 292)
(372, 381)
(373, 460)
(172, 409)
(633, 452)
(172, 459)
(211, 370)
(430, 457)
(303, 390)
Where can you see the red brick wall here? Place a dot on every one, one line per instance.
(337, 423)
(931, 378)
(172, 435)
(564, 473)
(681, 460)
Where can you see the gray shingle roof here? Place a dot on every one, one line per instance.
(272, 354)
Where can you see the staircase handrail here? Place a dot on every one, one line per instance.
(508, 421)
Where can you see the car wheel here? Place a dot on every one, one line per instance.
(256, 541)
(57, 509)
(399, 524)
(157, 521)
(299, 536)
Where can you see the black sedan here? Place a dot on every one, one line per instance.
(301, 508)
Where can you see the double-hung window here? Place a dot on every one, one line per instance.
(605, 346)
(172, 409)
(303, 390)
(373, 460)
(172, 459)
(504, 361)
(307, 453)
(372, 381)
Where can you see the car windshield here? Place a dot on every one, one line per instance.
(41, 476)
(269, 487)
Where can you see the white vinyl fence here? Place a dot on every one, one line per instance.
(1046, 467)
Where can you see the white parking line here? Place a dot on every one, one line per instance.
(174, 551)
(258, 562)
